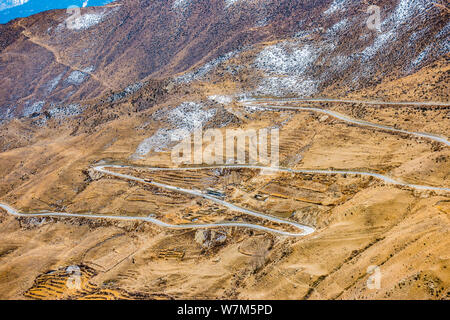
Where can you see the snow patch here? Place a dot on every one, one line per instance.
(34, 108)
(87, 20)
(186, 118)
(407, 8)
(337, 27)
(262, 22)
(76, 77)
(421, 57)
(181, 5)
(190, 115)
(159, 142)
(405, 11)
(126, 92)
(445, 32)
(229, 3)
(88, 69)
(285, 65)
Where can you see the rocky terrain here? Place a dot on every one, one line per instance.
(117, 86)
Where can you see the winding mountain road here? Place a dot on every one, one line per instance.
(306, 230)
(370, 102)
(268, 105)
(303, 229)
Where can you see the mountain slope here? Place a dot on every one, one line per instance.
(368, 175)
(126, 42)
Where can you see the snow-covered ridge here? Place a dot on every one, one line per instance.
(76, 77)
(285, 58)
